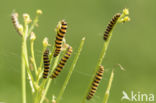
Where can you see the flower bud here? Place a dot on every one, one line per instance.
(125, 11)
(27, 18)
(32, 36)
(45, 42)
(39, 12)
(126, 19)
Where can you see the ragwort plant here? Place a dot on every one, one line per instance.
(51, 65)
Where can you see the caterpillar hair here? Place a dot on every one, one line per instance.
(59, 37)
(96, 82)
(62, 63)
(46, 63)
(110, 26)
(15, 22)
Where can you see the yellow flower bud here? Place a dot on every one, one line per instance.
(27, 18)
(126, 19)
(32, 36)
(39, 12)
(125, 11)
(45, 42)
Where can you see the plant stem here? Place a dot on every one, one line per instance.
(51, 54)
(49, 80)
(36, 98)
(25, 64)
(31, 79)
(33, 57)
(108, 88)
(23, 73)
(40, 67)
(103, 52)
(25, 56)
(70, 70)
(39, 95)
(39, 92)
(35, 21)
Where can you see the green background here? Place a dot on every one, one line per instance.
(132, 46)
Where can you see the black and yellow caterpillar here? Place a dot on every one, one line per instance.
(59, 37)
(46, 63)
(62, 63)
(111, 25)
(95, 83)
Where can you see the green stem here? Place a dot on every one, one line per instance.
(103, 53)
(40, 67)
(33, 57)
(25, 64)
(25, 55)
(39, 94)
(49, 80)
(51, 54)
(108, 88)
(23, 74)
(35, 21)
(40, 91)
(71, 70)
(31, 79)
(36, 98)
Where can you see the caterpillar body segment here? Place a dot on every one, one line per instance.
(61, 31)
(110, 26)
(62, 63)
(46, 63)
(95, 82)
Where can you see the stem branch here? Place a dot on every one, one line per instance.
(33, 57)
(49, 80)
(70, 70)
(108, 88)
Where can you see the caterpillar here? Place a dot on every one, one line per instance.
(96, 82)
(59, 37)
(62, 63)
(15, 22)
(46, 63)
(111, 25)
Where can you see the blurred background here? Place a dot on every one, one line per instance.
(132, 46)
